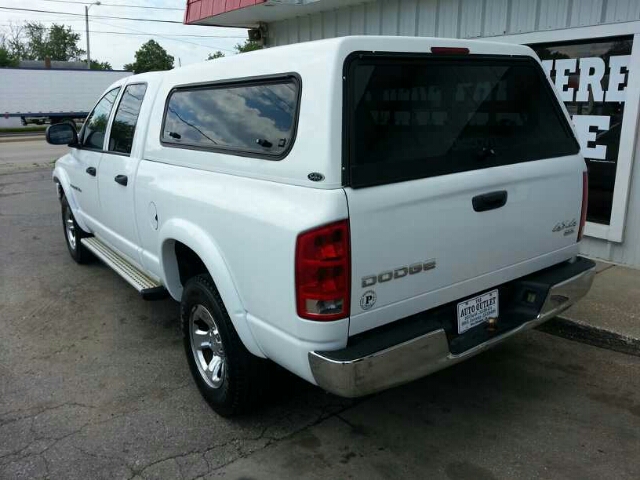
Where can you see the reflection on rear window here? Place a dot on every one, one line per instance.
(253, 118)
(421, 117)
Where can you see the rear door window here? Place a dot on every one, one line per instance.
(256, 118)
(124, 123)
(412, 117)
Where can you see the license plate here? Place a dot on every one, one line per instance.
(477, 310)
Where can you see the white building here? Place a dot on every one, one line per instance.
(591, 48)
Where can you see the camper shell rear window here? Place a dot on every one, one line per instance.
(410, 116)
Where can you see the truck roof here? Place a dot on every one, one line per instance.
(319, 54)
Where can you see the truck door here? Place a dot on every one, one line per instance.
(87, 155)
(116, 174)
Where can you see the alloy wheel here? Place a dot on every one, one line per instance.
(206, 346)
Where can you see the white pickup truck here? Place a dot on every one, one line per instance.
(362, 211)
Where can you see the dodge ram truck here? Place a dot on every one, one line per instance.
(362, 211)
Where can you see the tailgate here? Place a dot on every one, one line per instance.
(464, 174)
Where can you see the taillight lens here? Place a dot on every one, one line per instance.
(323, 272)
(585, 200)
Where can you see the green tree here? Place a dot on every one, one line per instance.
(58, 42)
(34, 41)
(6, 58)
(96, 65)
(13, 41)
(214, 55)
(150, 57)
(248, 46)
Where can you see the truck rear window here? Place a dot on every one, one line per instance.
(418, 116)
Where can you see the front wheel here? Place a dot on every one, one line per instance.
(73, 234)
(228, 376)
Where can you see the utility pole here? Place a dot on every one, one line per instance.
(86, 24)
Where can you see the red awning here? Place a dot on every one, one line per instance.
(249, 13)
(201, 9)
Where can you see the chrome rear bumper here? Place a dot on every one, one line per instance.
(427, 353)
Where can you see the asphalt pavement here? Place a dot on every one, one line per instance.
(94, 384)
(20, 154)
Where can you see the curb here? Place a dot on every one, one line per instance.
(21, 138)
(598, 337)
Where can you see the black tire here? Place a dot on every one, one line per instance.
(242, 375)
(72, 230)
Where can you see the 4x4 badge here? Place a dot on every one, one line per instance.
(565, 225)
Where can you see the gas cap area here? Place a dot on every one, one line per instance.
(153, 215)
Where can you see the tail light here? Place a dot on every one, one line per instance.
(323, 272)
(585, 200)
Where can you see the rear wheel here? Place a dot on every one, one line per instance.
(73, 234)
(229, 377)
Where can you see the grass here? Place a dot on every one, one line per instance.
(38, 128)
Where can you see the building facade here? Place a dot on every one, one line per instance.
(590, 49)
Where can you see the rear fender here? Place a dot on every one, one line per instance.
(206, 248)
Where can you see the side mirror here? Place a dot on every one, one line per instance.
(61, 134)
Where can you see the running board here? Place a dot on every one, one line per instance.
(149, 288)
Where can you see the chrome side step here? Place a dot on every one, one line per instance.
(149, 288)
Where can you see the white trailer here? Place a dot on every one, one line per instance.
(53, 95)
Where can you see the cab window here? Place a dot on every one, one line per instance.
(95, 125)
(124, 123)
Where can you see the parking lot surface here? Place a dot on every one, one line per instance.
(94, 384)
(18, 155)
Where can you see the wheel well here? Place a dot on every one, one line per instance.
(59, 189)
(189, 263)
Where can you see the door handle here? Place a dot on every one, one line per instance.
(122, 180)
(91, 171)
(489, 201)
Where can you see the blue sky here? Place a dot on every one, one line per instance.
(119, 49)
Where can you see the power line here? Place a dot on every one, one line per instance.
(150, 33)
(162, 36)
(116, 5)
(92, 16)
(167, 36)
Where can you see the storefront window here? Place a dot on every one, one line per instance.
(592, 77)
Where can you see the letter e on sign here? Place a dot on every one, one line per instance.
(587, 136)
(563, 67)
(591, 73)
(616, 92)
